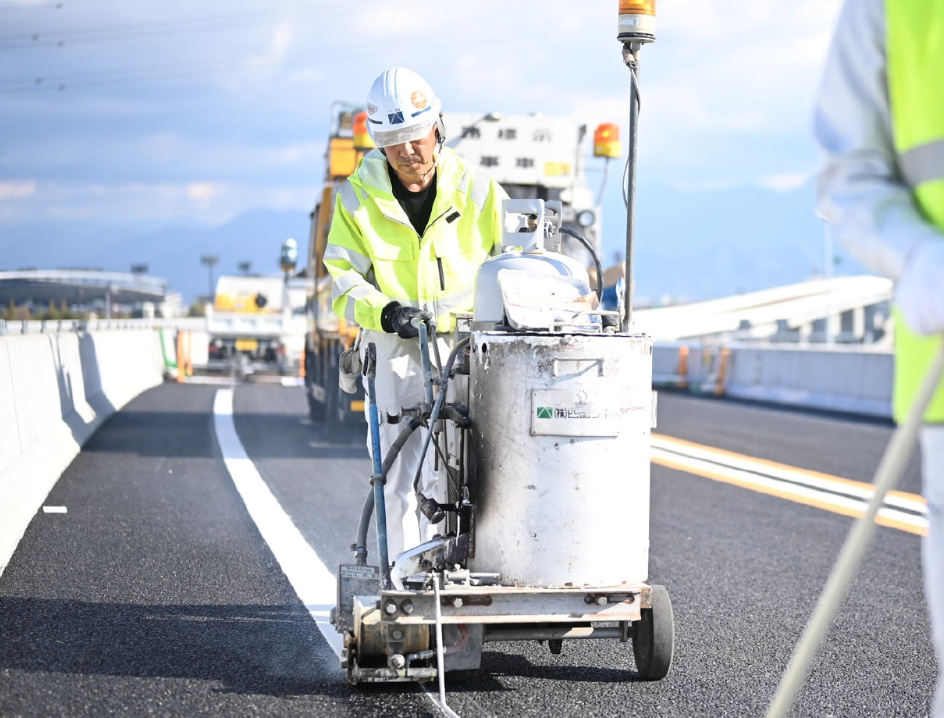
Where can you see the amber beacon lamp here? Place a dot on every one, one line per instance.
(637, 26)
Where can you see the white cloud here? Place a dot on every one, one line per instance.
(154, 204)
(203, 193)
(727, 89)
(17, 190)
(784, 182)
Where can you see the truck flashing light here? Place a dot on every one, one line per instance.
(606, 141)
(362, 138)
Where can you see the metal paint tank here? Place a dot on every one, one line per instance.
(559, 459)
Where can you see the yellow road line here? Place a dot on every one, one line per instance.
(773, 478)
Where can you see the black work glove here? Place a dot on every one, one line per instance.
(395, 319)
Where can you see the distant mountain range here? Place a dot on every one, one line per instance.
(700, 245)
(693, 245)
(172, 253)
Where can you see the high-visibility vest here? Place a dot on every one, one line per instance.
(375, 256)
(915, 68)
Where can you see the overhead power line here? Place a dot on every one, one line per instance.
(54, 5)
(130, 31)
(324, 55)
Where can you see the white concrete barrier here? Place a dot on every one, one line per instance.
(853, 378)
(55, 390)
(848, 378)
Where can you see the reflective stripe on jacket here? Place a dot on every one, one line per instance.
(375, 256)
(915, 52)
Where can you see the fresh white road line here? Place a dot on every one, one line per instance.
(311, 579)
(55, 510)
(907, 512)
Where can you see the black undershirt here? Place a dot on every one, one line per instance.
(417, 205)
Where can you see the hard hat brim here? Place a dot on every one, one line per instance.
(401, 135)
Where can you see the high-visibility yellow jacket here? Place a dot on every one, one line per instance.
(915, 50)
(879, 119)
(375, 256)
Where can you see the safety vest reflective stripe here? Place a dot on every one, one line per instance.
(375, 256)
(924, 163)
(915, 53)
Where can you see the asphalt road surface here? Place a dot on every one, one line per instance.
(156, 594)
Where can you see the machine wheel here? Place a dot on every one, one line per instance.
(654, 637)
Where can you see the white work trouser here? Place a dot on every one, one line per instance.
(399, 383)
(932, 546)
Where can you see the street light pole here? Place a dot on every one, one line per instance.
(210, 260)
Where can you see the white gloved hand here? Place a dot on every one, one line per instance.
(920, 289)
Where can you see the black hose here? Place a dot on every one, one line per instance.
(593, 253)
(360, 545)
(437, 406)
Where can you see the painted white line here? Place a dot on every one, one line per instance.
(314, 584)
(292, 381)
(311, 579)
(55, 510)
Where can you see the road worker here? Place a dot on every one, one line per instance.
(411, 227)
(880, 119)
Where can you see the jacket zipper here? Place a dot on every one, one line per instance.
(442, 274)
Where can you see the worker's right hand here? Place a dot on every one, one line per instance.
(397, 319)
(920, 289)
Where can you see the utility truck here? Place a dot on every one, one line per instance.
(257, 323)
(531, 156)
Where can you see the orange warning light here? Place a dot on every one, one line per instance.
(637, 7)
(362, 138)
(606, 141)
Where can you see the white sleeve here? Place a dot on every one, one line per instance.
(860, 190)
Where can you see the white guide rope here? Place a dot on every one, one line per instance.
(889, 472)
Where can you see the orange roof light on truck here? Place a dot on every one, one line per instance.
(606, 141)
(362, 138)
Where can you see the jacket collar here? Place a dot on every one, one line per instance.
(372, 177)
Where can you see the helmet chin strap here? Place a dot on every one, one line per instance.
(432, 167)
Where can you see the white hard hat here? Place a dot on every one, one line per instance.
(402, 107)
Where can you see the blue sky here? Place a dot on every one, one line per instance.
(187, 119)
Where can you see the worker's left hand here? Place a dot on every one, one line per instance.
(920, 289)
(397, 319)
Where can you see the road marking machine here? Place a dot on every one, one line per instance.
(539, 420)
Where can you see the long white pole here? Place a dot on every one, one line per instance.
(889, 472)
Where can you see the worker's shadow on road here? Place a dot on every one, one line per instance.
(248, 649)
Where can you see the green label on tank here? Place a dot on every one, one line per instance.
(545, 412)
